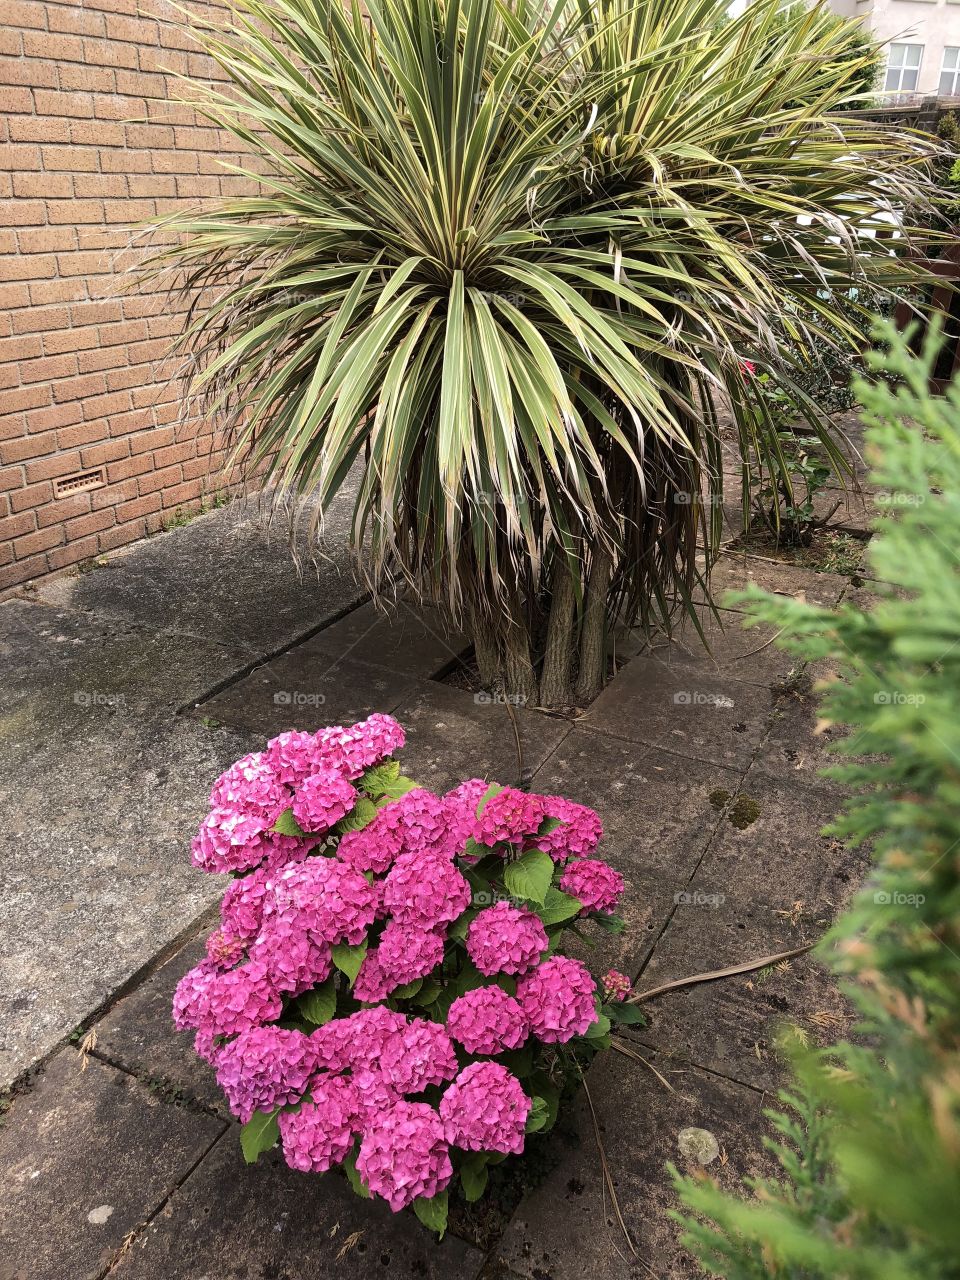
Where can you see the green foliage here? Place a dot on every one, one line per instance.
(869, 1146)
(348, 959)
(506, 258)
(784, 501)
(319, 1004)
(287, 825)
(432, 1212)
(529, 876)
(259, 1134)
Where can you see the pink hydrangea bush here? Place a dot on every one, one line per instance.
(387, 989)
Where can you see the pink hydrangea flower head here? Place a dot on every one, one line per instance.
(487, 1020)
(510, 816)
(324, 897)
(322, 800)
(293, 756)
(368, 1032)
(372, 983)
(596, 884)
(485, 1109)
(332, 1043)
(578, 835)
(217, 1003)
(460, 810)
(423, 1056)
(206, 1047)
(320, 1134)
(558, 999)
(616, 986)
(506, 939)
(404, 1154)
(241, 911)
(230, 840)
(375, 1093)
(264, 1068)
(224, 950)
(409, 951)
(251, 786)
(355, 748)
(425, 889)
(241, 998)
(295, 961)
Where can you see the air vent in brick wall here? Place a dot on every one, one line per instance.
(79, 481)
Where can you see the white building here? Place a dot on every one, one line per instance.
(922, 39)
(923, 43)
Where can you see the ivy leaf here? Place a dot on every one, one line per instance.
(473, 1176)
(558, 906)
(287, 825)
(360, 816)
(529, 877)
(259, 1134)
(539, 1114)
(319, 1005)
(628, 1014)
(432, 1212)
(353, 1176)
(349, 959)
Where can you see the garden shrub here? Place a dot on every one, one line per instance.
(869, 1142)
(387, 988)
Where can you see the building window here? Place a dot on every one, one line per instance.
(903, 68)
(950, 73)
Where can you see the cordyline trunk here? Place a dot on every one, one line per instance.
(575, 648)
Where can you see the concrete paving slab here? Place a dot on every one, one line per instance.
(567, 1229)
(232, 1221)
(88, 1156)
(768, 886)
(690, 711)
(735, 571)
(658, 819)
(741, 654)
(413, 639)
(453, 735)
(137, 1034)
(101, 789)
(226, 576)
(797, 749)
(306, 689)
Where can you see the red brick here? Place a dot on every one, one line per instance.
(49, 370)
(112, 495)
(72, 553)
(39, 319)
(16, 100)
(74, 211)
(76, 21)
(14, 295)
(56, 47)
(44, 292)
(129, 468)
(93, 522)
(74, 105)
(100, 81)
(22, 213)
(121, 535)
(180, 495)
(22, 399)
(160, 479)
(60, 464)
(17, 526)
(30, 129)
(21, 156)
(42, 540)
(20, 348)
(138, 507)
(99, 455)
(43, 186)
(53, 417)
(25, 13)
(70, 159)
(91, 384)
(32, 72)
(31, 446)
(31, 497)
(63, 509)
(79, 434)
(46, 239)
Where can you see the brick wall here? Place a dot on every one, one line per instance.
(94, 142)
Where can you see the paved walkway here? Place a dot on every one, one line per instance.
(131, 687)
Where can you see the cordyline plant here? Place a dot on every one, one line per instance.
(503, 268)
(387, 989)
